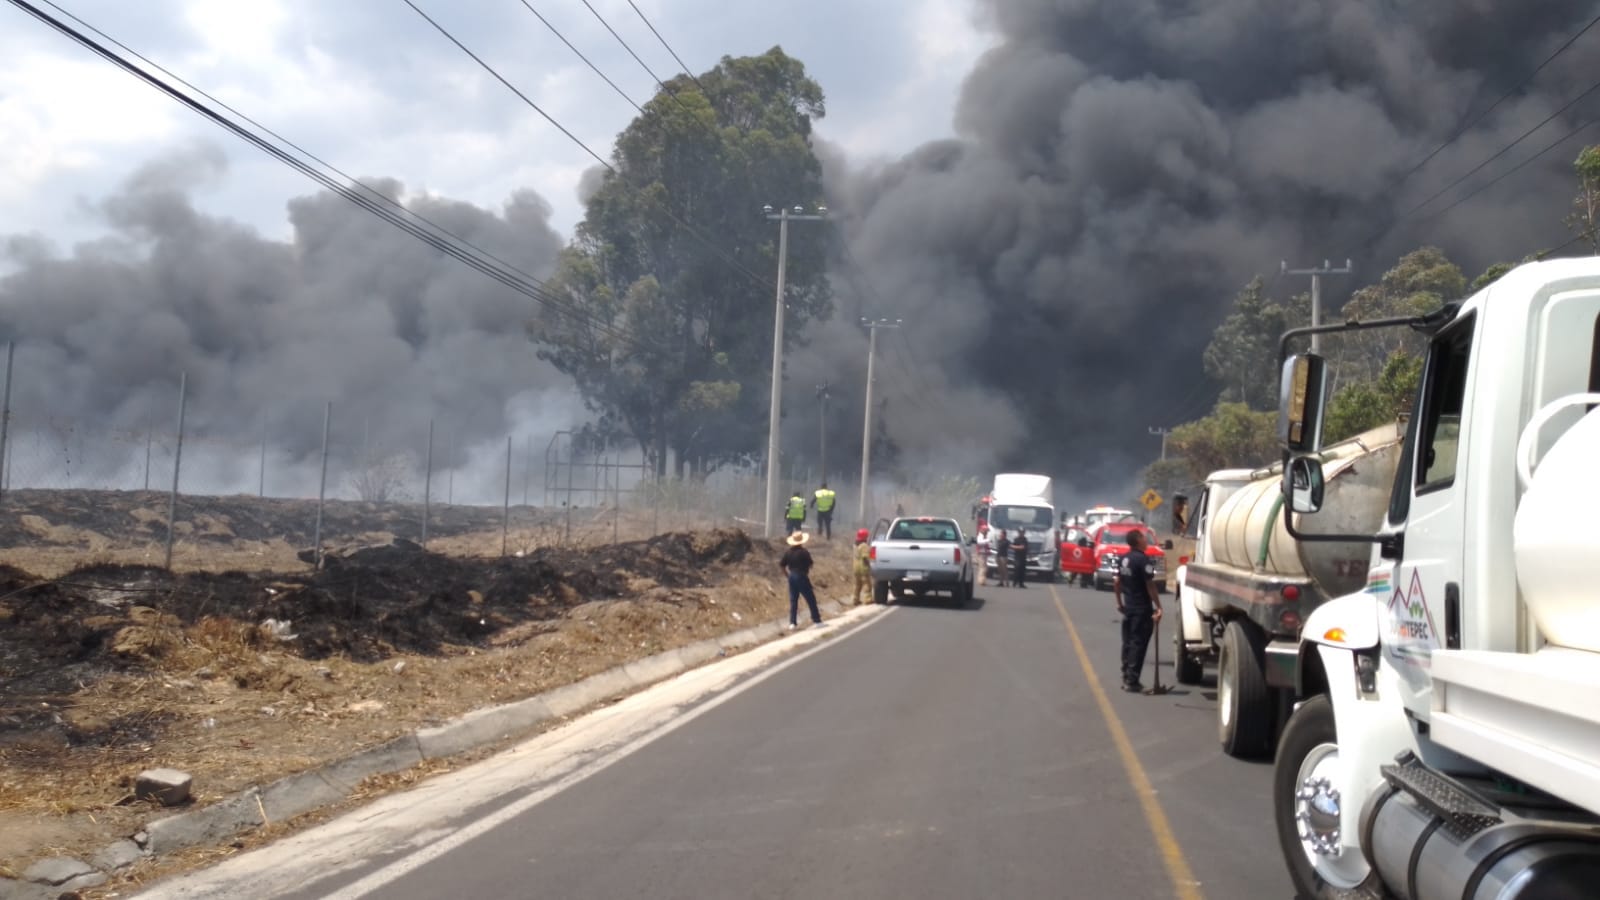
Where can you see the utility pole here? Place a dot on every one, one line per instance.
(866, 427)
(783, 218)
(1316, 292)
(822, 431)
(1163, 432)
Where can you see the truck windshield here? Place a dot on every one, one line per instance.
(1115, 537)
(1036, 517)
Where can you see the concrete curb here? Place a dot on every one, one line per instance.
(332, 782)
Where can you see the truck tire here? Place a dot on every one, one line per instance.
(962, 595)
(1244, 702)
(880, 592)
(1308, 755)
(1185, 667)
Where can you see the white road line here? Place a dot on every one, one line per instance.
(401, 867)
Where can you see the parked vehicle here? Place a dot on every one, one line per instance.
(1249, 587)
(1027, 502)
(1446, 743)
(1111, 544)
(916, 555)
(1077, 553)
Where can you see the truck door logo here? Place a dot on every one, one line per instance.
(1411, 621)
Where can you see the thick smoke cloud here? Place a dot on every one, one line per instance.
(348, 309)
(1124, 166)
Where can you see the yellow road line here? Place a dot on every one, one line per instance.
(1184, 885)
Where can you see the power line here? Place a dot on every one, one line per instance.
(464, 253)
(694, 232)
(1480, 166)
(1463, 129)
(1511, 171)
(678, 59)
(357, 183)
(620, 92)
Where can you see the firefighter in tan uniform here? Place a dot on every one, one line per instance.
(863, 566)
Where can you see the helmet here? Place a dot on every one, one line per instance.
(861, 534)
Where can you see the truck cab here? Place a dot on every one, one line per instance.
(1111, 544)
(1446, 739)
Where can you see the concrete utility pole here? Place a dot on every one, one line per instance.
(783, 218)
(1163, 432)
(822, 431)
(866, 428)
(1316, 292)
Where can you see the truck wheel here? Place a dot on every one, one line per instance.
(1185, 667)
(1305, 807)
(1244, 702)
(962, 594)
(880, 592)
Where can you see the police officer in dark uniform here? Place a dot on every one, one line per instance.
(1140, 606)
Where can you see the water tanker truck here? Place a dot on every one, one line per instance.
(1445, 742)
(1249, 586)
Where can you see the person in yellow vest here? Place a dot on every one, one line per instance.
(824, 500)
(863, 566)
(795, 516)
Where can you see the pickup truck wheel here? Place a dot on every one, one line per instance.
(1186, 668)
(1244, 702)
(880, 592)
(1305, 808)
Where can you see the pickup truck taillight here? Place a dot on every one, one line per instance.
(958, 554)
(872, 553)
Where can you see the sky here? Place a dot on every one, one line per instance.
(373, 89)
(1060, 198)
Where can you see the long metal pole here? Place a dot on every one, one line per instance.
(427, 485)
(1316, 311)
(572, 465)
(450, 473)
(322, 486)
(149, 439)
(527, 470)
(177, 464)
(5, 411)
(866, 428)
(776, 410)
(505, 515)
(822, 431)
(616, 499)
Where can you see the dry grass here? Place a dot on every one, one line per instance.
(221, 700)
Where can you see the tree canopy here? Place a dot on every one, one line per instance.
(671, 269)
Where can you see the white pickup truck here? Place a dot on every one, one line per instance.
(920, 554)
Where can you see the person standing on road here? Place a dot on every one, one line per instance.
(795, 517)
(1019, 558)
(981, 547)
(823, 500)
(1135, 589)
(863, 567)
(796, 564)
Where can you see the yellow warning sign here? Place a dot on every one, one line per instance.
(1150, 499)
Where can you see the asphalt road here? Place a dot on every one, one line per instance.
(933, 753)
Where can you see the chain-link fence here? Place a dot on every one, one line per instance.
(196, 484)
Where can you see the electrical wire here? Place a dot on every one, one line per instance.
(355, 182)
(694, 232)
(459, 250)
(678, 59)
(1511, 171)
(1464, 128)
(620, 92)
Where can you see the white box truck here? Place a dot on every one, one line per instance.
(1027, 502)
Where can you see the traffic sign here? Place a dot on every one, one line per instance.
(1150, 499)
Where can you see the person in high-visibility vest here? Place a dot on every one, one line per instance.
(795, 517)
(824, 500)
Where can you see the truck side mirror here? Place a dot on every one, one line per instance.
(1300, 403)
(1303, 484)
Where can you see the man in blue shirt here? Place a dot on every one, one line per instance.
(1140, 606)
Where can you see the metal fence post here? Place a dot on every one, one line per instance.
(450, 474)
(572, 464)
(5, 411)
(177, 464)
(261, 483)
(527, 469)
(616, 498)
(322, 486)
(505, 515)
(149, 439)
(427, 485)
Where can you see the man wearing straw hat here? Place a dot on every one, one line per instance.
(796, 564)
